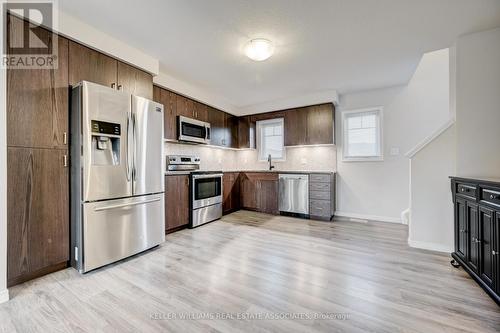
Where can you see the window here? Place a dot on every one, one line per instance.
(270, 139)
(362, 130)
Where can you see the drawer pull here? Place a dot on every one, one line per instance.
(463, 189)
(492, 196)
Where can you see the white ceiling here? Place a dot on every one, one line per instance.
(321, 45)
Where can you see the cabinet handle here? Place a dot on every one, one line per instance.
(65, 138)
(113, 85)
(65, 161)
(492, 196)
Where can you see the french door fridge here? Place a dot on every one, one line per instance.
(117, 175)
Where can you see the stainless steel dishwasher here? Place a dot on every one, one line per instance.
(294, 193)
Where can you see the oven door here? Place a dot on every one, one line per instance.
(207, 190)
(193, 130)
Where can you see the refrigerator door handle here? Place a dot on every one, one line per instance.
(128, 149)
(134, 150)
(98, 209)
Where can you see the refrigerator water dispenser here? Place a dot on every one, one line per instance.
(105, 143)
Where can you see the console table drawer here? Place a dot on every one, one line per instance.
(467, 190)
(491, 196)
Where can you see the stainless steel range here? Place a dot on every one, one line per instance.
(206, 197)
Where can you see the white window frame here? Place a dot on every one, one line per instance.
(380, 157)
(258, 126)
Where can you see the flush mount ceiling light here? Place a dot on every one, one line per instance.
(259, 49)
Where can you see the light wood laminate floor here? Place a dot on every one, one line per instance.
(252, 264)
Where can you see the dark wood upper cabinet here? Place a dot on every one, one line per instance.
(320, 124)
(185, 106)
(37, 99)
(89, 65)
(38, 211)
(134, 81)
(169, 101)
(231, 133)
(176, 201)
(246, 132)
(296, 127)
(217, 120)
(200, 111)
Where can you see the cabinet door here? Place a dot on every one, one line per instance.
(200, 111)
(231, 132)
(89, 65)
(246, 132)
(185, 107)
(461, 231)
(320, 124)
(168, 99)
(227, 185)
(268, 196)
(486, 241)
(496, 248)
(296, 127)
(37, 99)
(216, 119)
(248, 191)
(37, 210)
(473, 236)
(134, 81)
(176, 201)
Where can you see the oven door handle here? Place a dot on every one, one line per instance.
(216, 175)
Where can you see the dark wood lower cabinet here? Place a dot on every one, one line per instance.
(38, 212)
(477, 231)
(176, 202)
(259, 191)
(231, 192)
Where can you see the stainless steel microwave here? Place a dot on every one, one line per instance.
(192, 130)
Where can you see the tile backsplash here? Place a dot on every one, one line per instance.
(313, 158)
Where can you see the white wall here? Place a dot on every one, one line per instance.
(4, 295)
(380, 190)
(315, 158)
(431, 221)
(478, 105)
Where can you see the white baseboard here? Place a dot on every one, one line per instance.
(430, 246)
(369, 217)
(4, 296)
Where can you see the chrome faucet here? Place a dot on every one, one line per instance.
(269, 159)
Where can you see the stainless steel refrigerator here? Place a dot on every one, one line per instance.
(117, 175)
